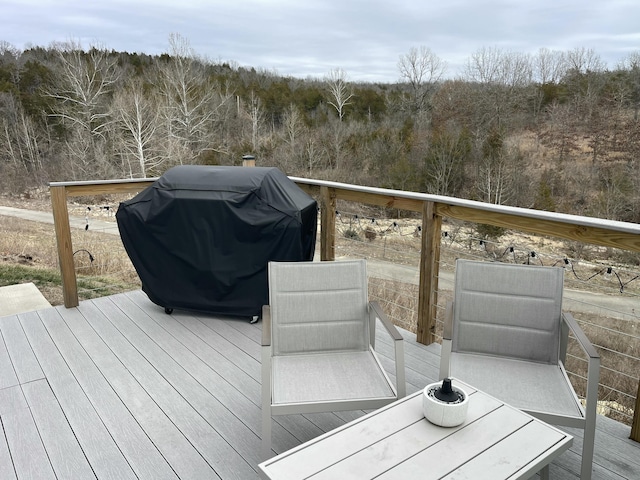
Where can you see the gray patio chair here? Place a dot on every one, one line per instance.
(318, 338)
(505, 333)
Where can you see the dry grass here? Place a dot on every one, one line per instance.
(33, 245)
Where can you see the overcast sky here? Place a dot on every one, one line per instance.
(305, 38)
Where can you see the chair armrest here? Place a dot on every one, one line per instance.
(591, 394)
(398, 346)
(386, 323)
(582, 339)
(266, 326)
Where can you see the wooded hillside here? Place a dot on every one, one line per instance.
(558, 131)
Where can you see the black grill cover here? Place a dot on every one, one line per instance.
(200, 237)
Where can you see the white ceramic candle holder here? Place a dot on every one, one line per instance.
(444, 413)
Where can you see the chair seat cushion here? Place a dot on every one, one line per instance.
(326, 377)
(533, 387)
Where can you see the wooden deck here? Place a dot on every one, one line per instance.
(117, 389)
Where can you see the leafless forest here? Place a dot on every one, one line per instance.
(557, 130)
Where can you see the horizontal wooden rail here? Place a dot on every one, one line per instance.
(597, 231)
(433, 208)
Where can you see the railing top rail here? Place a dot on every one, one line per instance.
(614, 225)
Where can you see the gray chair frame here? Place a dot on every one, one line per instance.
(507, 318)
(319, 314)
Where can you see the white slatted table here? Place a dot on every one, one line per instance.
(496, 441)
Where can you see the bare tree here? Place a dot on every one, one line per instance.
(585, 79)
(20, 145)
(9, 59)
(496, 170)
(493, 66)
(494, 181)
(631, 65)
(293, 127)
(340, 95)
(504, 81)
(548, 69)
(7, 48)
(139, 119)
(85, 83)
(558, 132)
(255, 112)
(422, 70)
(340, 91)
(549, 66)
(584, 60)
(313, 153)
(614, 200)
(444, 166)
(192, 103)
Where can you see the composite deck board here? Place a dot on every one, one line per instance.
(7, 470)
(200, 415)
(283, 439)
(117, 389)
(8, 376)
(28, 455)
(11, 399)
(288, 431)
(144, 458)
(96, 441)
(223, 406)
(235, 384)
(245, 408)
(201, 328)
(64, 452)
(23, 359)
(160, 428)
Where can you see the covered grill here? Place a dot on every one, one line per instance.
(200, 237)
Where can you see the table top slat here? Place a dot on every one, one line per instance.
(398, 442)
(335, 445)
(515, 453)
(413, 452)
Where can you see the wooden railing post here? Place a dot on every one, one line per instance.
(65, 248)
(327, 223)
(248, 161)
(429, 264)
(635, 424)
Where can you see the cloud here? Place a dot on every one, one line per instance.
(308, 38)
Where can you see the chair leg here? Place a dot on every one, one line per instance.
(593, 375)
(587, 449)
(544, 473)
(266, 452)
(266, 402)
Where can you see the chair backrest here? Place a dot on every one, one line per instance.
(318, 306)
(508, 310)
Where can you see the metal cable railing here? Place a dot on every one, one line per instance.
(369, 228)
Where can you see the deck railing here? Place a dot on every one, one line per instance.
(432, 208)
